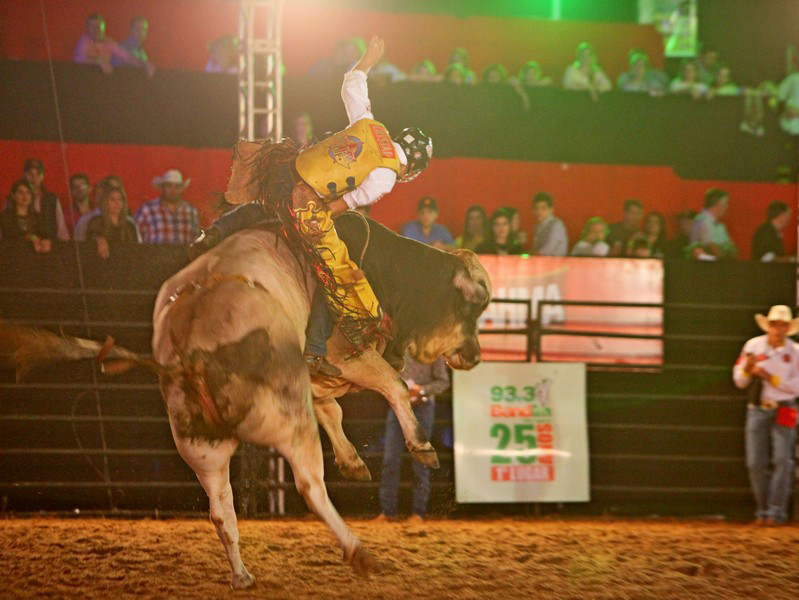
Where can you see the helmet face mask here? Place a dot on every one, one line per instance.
(418, 149)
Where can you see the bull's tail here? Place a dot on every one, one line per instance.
(27, 348)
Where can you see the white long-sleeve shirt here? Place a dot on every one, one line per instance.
(379, 182)
(782, 363)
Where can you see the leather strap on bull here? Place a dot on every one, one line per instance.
(308, 228)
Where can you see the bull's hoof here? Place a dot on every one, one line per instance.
(426, 455)
(242, 581)
(362, 562)
(356, 470)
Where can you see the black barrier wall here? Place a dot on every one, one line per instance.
(668, 441)
(699, 139)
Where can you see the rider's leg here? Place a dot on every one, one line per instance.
(240, 217)
(320, 326)
(232, 221)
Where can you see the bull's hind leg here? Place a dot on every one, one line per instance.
(304, 453)
(211, 464)
(328, 413)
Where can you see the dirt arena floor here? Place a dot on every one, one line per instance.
(517, 559)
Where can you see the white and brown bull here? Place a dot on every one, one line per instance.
(229, 330)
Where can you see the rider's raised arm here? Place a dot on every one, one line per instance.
(354, 92)
(355, 95)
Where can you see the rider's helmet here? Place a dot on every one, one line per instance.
(418, 149)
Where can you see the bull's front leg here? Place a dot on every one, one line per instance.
(369, 370)
(328, 413)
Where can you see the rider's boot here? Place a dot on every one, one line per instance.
(318, 365)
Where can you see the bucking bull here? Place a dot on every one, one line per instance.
(229, 331)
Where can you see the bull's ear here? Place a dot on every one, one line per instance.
(472, 290)
(473, 282)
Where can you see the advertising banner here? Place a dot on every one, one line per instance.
(521, 433)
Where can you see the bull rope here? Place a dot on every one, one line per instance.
(105, 474)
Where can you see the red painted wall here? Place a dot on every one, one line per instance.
(180, 30)
(580, 190)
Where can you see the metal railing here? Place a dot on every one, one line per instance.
(526, 331)
(251, 488)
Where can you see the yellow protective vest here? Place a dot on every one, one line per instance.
(343, 160)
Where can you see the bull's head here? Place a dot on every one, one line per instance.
(456, 338)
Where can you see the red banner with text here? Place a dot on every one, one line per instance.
(609, 280)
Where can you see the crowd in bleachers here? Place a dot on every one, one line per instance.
(101, 215)
(701, 235)
(705, 77)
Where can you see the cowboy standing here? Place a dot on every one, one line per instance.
(769, 367)
(168, 219)
(350, 169)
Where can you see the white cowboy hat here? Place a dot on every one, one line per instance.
(171, 176)
(779, 312)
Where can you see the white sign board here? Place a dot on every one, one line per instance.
(521, 433)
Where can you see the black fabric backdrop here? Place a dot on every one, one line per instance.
(700, 139)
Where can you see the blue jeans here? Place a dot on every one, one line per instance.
(771, 487)
(392, 461)
(320, 323)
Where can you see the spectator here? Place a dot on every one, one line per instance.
(642, 78)
(768, 368)
(654, 233)
(639, 248)
(425, 229)
(168, 219)
(550, 233)
(619, 234)
(134, 44)
(709, 237)
(494, 74)
(224, 55)
(79, 192)
(723, 84)
(475, 228)
(767, 243)
(387, 72)
(530, 75)
(687, 81)
(516, 225)
(585, 73)
(707, 65)
(346, 53)
(788, 93)
(94, 48)
(424, 71)
(302, 130)
(45, 202)
(113, 224)
(424, 382)
(456, 74)
(592, 239)
(112, 181)
(20, 221)
(460, 56)
(675, 247)
(501, 240)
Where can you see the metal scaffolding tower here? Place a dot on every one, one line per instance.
(260, 116)
(260, 65)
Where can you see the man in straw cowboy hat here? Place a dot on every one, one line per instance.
(168, 219)
(769, 367)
